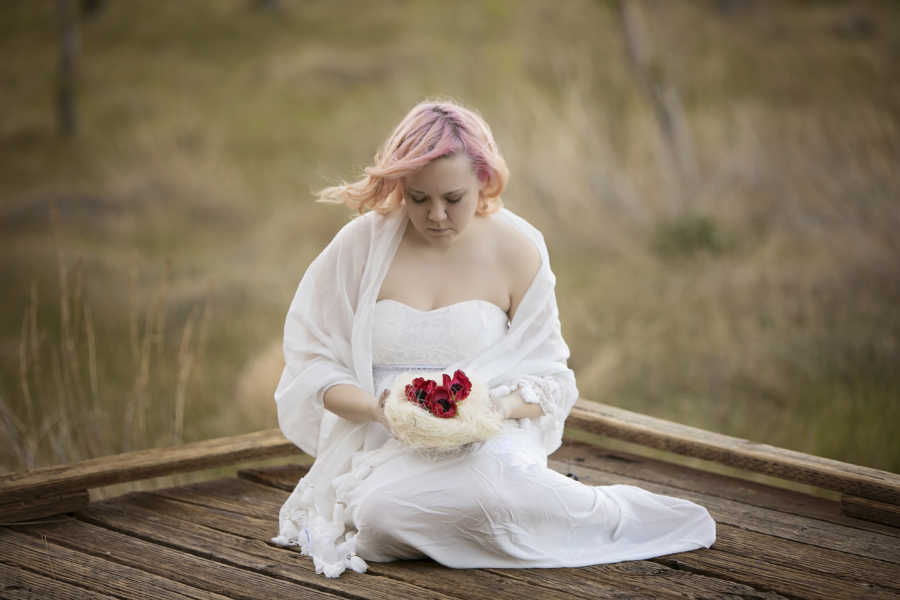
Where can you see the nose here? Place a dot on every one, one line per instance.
(437, 211)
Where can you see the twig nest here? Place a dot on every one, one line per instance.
(461, 422)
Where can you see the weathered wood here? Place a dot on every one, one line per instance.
(261, 501)
(871, 510)
(762, 520)
(423, 573)
(144, 464)
(213, 518)
(459, 583)
(713, 484)
(42, 506)
(645, 576)
(730, 538)
(849, 479)
(283, 477)
(496, 583)
(755, 547)
(404, 580)
(664, 97)
(233, 495)
(681, 439)
(171, 564)
(248, 553)
(19, 584)
(824, 563)
(264, 502)
(66, 113)
(789, 581)
(91, 572)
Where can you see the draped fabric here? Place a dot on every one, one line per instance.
(328, 341)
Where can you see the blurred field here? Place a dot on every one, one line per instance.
(148, 262)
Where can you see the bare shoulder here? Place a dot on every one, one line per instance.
(519, 257)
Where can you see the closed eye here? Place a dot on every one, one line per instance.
(453, 198)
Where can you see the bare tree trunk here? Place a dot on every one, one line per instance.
(272, 5)
(665, 100)
(68, 51)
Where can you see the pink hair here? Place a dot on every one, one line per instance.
(431, 130)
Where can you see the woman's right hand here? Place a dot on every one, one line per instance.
(378, 410)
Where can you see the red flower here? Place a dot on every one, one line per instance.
(459, 386)
(428, 388)
(439, 400)
(419, 390)
(442, 405)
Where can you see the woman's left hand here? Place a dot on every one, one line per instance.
(513, 407)
(501, 407)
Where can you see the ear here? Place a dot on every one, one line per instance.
(482, 206)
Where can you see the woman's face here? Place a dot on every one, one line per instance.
(441, 199)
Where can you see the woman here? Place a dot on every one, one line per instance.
(435, 275)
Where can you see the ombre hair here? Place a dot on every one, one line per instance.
(433, 129)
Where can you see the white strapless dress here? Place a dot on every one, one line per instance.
(498, 505)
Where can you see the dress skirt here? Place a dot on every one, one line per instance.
(499, 505)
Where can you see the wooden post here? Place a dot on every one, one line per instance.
(68, 51)
(665, 101)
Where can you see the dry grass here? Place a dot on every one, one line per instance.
(69, 406)
(758, 299)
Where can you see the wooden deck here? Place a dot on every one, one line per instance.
(210, 539)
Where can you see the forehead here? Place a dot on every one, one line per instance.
(444, 173)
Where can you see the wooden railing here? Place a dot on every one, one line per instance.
(867, 493)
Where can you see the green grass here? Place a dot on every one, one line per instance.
(759, 301)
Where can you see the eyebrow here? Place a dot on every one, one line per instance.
(456, 191)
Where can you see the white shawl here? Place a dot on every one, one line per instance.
(328, 340)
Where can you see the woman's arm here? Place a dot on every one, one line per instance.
(354, 404)
(522, 263)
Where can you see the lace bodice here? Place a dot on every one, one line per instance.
(408, 339)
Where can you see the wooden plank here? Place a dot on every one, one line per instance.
(248, 553)
(729, 538)
(230, 494)
(830, 563)
(762, 520)
(213, 518)
(407, 578)
(264, 502)
(791, 582)
(458, 582)
(871, 510)
(19, 584)
(42, 506)
(423, 573)
(171, 564)
(646, 577)
(794, 466)
(713, 484)
(91, 572)
(494, 584)
(283, 477)
(144, 464)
